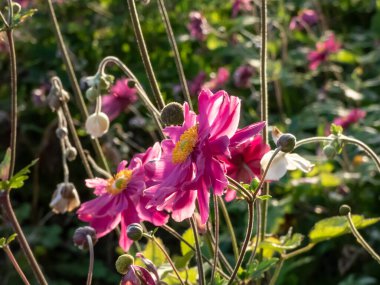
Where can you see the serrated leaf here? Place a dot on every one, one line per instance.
(17, 180)
(336, 226)
(5, 164)
(2, 242)
(189, 237)
(11, 238)
(262, 267)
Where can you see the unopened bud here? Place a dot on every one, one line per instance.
(286, 142)
(344, 210)
(67, 190)
(135, 231)
(255, 182)
(97, 124)
(80, 237)
(329, 151)
(61, 132)
(105, 82)
(123, 263)
(172, 114)
(92, 93)
(131, 83)
(71, 153)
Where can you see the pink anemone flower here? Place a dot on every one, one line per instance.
(119, 200)
(189, 167)
(119, 98)
(352, 117)
(306, 17)
(321, 54)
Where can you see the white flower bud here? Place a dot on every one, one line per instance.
(97, 124)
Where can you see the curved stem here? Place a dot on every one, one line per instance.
(245, 243)
(7, 206)
(177, 57)
(91, 263)
(198, 252)
(230, 228)
(258, 230)
(74, 82)
(240, 188)
(144, 53)
(15, 264)
(13, 71)
(298, 251)
(169, 259)
(361, 240)
(97, 168)
(312, 140)
(277, 271)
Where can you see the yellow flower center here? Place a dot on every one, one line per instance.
(185, 145)
(119, 182)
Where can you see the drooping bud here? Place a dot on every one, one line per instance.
(65, 198)
(135, 231)
(329, 151)
(97, 124)
(80, 237)
(105, 82)
(123, 263)
(61, 132)
(286, 142)
(92, 93)
(172, 114)
(71, 153)
(344, 210)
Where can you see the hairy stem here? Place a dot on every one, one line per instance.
(15, 264)
(91, 263)
(198, 252)
(144, 53)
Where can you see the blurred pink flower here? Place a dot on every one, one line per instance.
(218, 80)
(119, 98)
(189, 166)
(119, 200)
(324, 49)
(243, 75)
(352, 117)
(305, 17)
(198, 26)
(241, 5)
(136, 275)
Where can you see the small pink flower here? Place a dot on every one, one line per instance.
(119, 199)
(305, 17)
(324, 49)
(190, 166)
(218, 80)
(243, 75)
(198, 26)
(354, 116)
(136, 275)
(241, 5)
(119, 98)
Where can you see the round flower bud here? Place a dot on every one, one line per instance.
(123, 262)
(172, 114)
(344, 210)
(80, 237)
(92, 93)
(135, 231)
(105, 82)
(254, 183)
(329, 151)
(71, 153)
(61, 132)
(131, 83)
(67, 190)
(286, 142)
(97, 124)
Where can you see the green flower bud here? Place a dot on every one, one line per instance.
(254, 183)
(105, 82)
(135, 231)
(92, 93)
(172, 114)
(329, 151)
(344, 210)
(71, 153)
(286, 142)
(123, 262)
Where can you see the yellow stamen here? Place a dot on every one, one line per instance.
(119, 182)
(185, 145)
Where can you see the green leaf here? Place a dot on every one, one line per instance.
(5, 164)
(278, 245)
(21, 17)
(336, 130)
(264, 197)
(2, 242)
(17, 180)
(345, 56)
(189, 237)
(183, 261)
(11, 238)
(337, 226)
(153, 252)
(257, 270)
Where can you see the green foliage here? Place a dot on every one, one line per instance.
(5, 164)
(17, 180)
(189, 237)
(6, 241)
(283, 244)
(256, 269)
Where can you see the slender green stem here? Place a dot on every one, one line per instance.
(74, 82)
(144, 53)
(9, 213)
(198, 252)
(169, 260)
(258, 230)
(245, 243)
(13, 71)
(91, 263)
(216, 235)
(298, 251)
(2, 18)
(97, 168)
(240, 188)
(15, 264)
(230, 228)
(177, 57)
(361, 240)
(313, 140)
(277, 271)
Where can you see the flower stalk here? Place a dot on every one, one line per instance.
(198, 252)
(15, 264)
(91, 263)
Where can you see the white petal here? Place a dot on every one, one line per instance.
(295, 161)
(278, 167)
